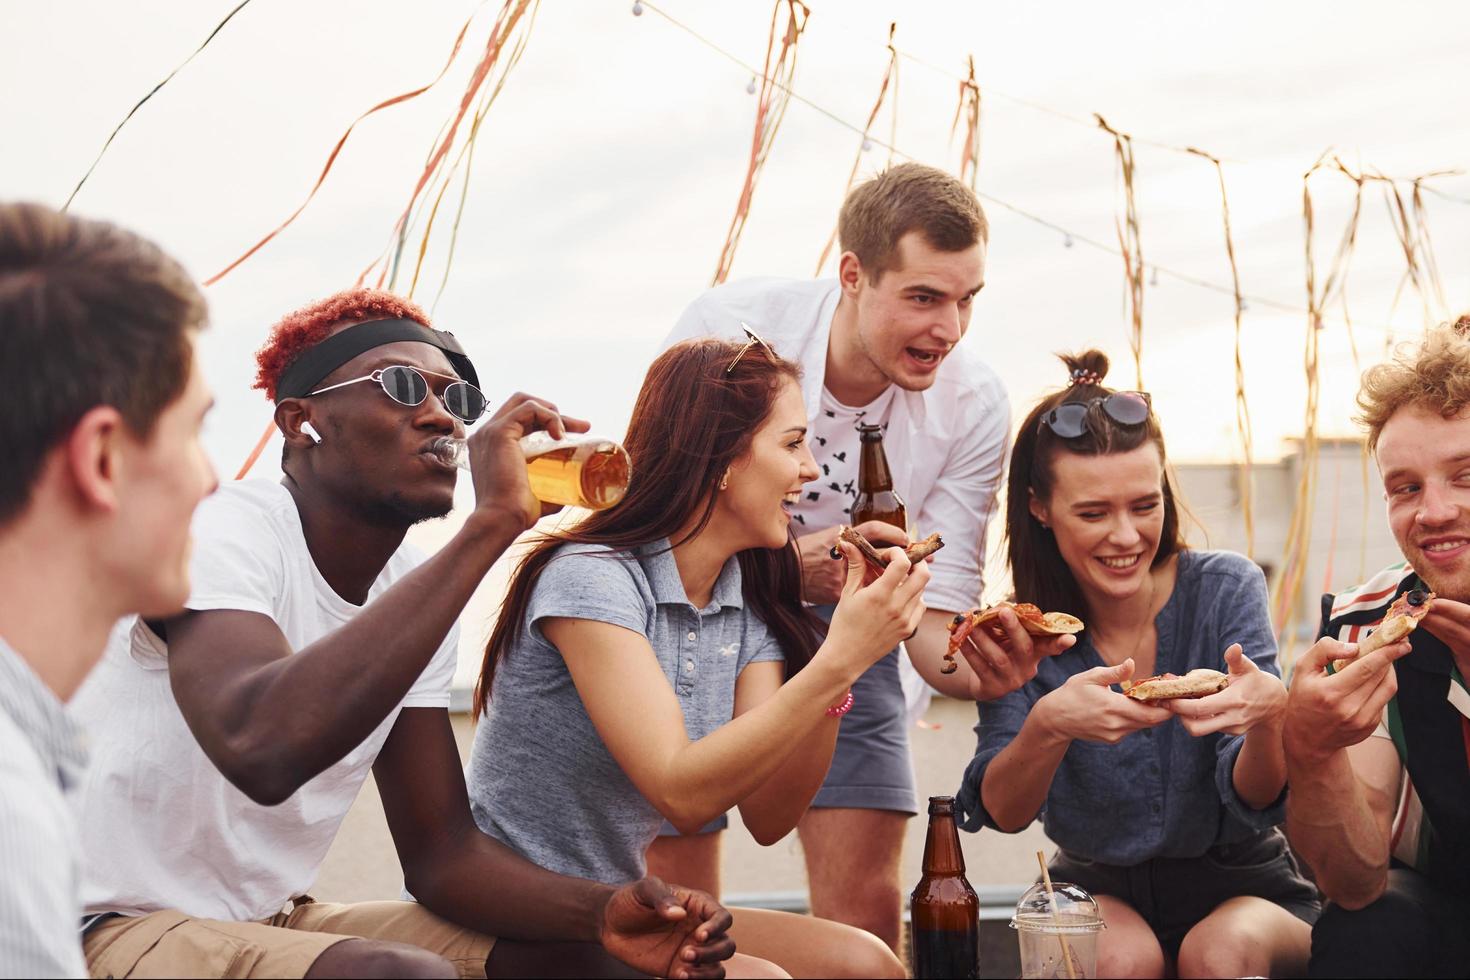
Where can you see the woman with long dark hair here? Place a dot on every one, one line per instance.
(656, 661)
(1166, 812)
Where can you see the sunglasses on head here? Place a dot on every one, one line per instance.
(1069, 419)
(753, 341)
(408, 386)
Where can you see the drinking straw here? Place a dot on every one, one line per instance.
(1068, 958)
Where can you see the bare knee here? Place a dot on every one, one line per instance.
(875, 959)
(1218, 959)
(372, 958)
(874, 905)
(742, 967)
(865, 955)
(1131, 959)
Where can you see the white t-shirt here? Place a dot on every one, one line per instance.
(946, 446)
(161, 827)
(837, 448)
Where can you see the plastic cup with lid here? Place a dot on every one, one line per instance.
(1057, 931)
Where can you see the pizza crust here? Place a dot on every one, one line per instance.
(915, 552)
(1401, 619)
(1198, 683)
(1031, 618)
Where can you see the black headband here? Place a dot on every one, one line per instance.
(312, 365)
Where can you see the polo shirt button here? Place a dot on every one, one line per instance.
(693, 636)
(1154, 768)
(689, 666)
(1156, 808)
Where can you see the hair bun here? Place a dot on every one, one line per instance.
(1087, 369)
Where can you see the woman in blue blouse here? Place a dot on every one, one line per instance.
(1166, 813)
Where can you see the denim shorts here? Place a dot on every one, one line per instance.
(1174, 894)
(871, 767)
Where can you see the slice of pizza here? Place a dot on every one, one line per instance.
(1198, 683)
(915, 552)
(1398, 622)
(1031, 618)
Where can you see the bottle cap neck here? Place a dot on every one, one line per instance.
(942, 852)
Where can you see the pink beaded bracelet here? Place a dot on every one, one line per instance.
(841, 707)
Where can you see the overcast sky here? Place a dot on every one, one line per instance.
(606, 174)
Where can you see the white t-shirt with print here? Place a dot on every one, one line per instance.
(161, 827)
(837, 447)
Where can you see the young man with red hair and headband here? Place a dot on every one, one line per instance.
(315, 645)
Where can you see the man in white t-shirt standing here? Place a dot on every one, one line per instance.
(230, 741)
(877, 345)
(102, 406)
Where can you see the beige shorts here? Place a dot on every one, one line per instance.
(172, 944)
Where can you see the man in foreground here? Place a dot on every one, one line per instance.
(878, 345)
(316, 645)
(1377, 752)
(103, 403)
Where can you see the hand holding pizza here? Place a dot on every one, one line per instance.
(1087, 708)
(998, 667)
(822, 578)
(1252, 698)
(1326, 713)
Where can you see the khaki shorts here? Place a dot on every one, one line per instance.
(172, 944)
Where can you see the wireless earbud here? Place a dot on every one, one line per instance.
(310, 430)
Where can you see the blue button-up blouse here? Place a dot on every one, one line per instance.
(1159, 792)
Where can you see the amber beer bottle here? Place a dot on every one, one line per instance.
(876, 498)
(944, 910)
(580, 471)
(575, 471)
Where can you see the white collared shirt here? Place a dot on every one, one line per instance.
(946, 445)
(41, 759)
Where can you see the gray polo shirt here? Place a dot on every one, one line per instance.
(540, 779)
(41, 758)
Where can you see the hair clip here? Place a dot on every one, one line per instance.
(1082, 376)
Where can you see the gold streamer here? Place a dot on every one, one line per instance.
(1129, 243)
(1242, 408)
(774, 97)
(1299, 532)
(890, 73)
(341, 142)
(969, 108)
(505, 23)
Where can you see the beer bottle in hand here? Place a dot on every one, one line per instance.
(945, 911)
(876, 499)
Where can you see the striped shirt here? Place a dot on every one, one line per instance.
(41, 758)
(1428, 721)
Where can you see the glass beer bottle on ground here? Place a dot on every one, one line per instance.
(944, 909)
